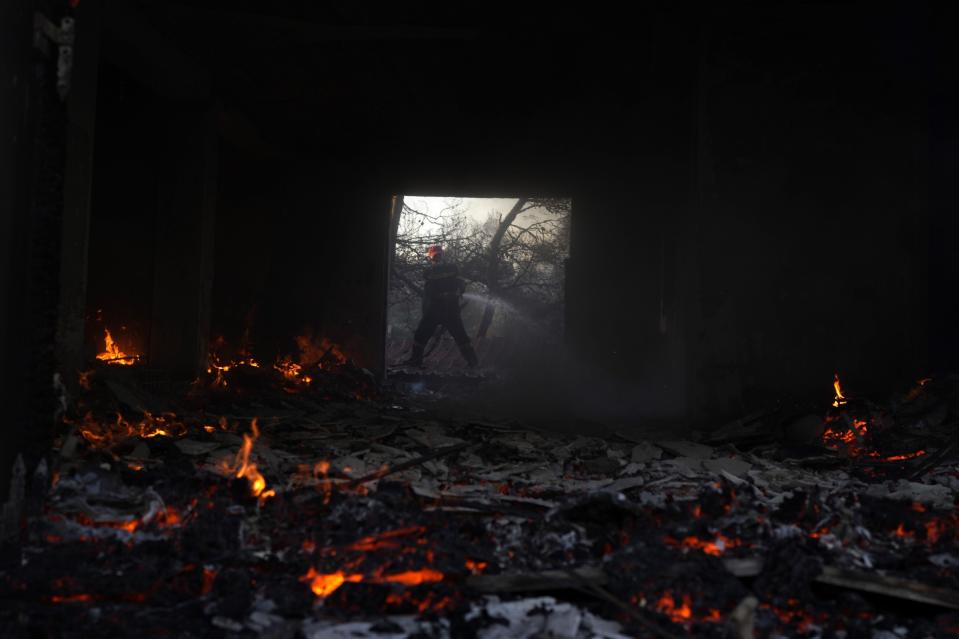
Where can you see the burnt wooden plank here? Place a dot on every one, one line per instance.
(896, 587)
(538, 581)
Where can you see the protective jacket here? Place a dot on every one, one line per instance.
(441, 306)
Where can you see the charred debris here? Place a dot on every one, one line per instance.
(304, 499)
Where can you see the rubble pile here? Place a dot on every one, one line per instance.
(368, 514)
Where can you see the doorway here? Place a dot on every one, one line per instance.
(510, 254)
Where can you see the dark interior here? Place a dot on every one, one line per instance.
(764, 197)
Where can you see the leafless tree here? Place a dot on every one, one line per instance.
(516, 258)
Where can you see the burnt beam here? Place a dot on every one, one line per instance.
(77, 190)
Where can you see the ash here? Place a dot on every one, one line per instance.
(260, 504)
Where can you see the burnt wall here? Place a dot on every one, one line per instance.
(300, 249)
(811, 231)
(942, 60)
(32, 155)
(521, 111)
(750, 184)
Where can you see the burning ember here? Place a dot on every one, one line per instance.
(244, 468)
(791, 616)
(320, 353)
(296, 374)
(219, 369)
(837, 437)
(107, 433)
(82, 597)
(682, 612)
(323, 585)
(292, 371)
(383, 550)
(848, 429)
(677, 614)
(903, 457)
(382, 515)
(112, 353)
(386, 540)
(715, 547)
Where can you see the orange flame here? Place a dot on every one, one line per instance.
(313, 352)
(850, 439)
(169, 518)
(475, 566)
(678, 614)
(682, 611)
(106, 434)
(243, 467)
(412, 577)
(112, 353)
(714, 547)
(219, 369)
(840, 399)
(325, 584)
(902, 533)
(290, 369)
(129, 525)
(385, 540)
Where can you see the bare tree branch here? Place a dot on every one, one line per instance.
(409, 283)
(520, 263)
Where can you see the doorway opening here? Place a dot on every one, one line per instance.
(509, 255)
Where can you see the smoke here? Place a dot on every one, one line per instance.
(558, 391)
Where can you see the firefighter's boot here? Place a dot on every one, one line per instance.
(466, 350)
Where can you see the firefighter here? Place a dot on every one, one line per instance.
(441, 306)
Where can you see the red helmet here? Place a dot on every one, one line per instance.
(434, 250)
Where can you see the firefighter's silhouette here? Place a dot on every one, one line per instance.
(441, 307)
